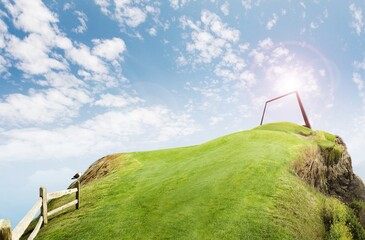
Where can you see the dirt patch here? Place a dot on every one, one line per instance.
(100, 168)
(309, 166)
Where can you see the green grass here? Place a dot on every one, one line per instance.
(238, 186)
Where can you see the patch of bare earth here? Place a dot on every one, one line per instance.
(100, 168)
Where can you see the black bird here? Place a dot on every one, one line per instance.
(76, 176)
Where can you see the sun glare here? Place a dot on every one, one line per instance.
(288, 81)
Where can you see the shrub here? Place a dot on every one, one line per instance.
(356, 228)
(357, 207)
(339, 231)
(341, 221)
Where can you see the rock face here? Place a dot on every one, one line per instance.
(341, 180)
(329, 169)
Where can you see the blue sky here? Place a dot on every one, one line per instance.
(83, 79)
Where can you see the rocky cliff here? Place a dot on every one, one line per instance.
(328, 168)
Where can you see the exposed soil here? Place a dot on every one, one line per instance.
(99, 169)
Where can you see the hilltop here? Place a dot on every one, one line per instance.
(277, 181)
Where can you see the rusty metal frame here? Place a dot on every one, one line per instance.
(306, 121)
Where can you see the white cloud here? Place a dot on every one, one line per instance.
(3, 65)
(213, 41)
(3, 33)
(266, 43)
(32, 16)
(103, 4)
(109, 49)
(259, 57)
(61, 80)
(246, 78)
(103, 80)
(67, 6)
(357, 21)
(153, 10)
(33, 53)
(279, 53)
(272, 22)
(104, 134)
(206, 46)
(82, 56)
(356, 78)
(126, 12)
(360, 65)
(152, 31)
(219, 28)
(232, 68)
(43, 50)
(135, 122)
(247, 4)
(81, 16)
(176, 4)
(314, 25)
(109, 100)
(42, 106)
(265, 52)
(181, 61)
(210, 40)
(225, 8)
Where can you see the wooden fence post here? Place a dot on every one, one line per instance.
(43, 195)
(5, 229)
(78, 194)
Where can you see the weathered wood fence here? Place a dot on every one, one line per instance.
(41, 204)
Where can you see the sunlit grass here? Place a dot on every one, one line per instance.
(236, 187)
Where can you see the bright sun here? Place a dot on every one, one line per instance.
(288, 81)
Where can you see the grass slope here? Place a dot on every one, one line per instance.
(235, 187)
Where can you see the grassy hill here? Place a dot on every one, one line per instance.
(239, 186)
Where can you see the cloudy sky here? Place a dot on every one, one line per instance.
(83, 79)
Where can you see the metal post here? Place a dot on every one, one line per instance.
(306, 121)
(263, 114)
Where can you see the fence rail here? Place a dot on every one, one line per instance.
(42, 205)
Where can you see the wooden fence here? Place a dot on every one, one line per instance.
(41, 204)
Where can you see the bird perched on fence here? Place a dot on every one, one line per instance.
(76, 176)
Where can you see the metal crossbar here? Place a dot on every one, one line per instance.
(306, 121)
